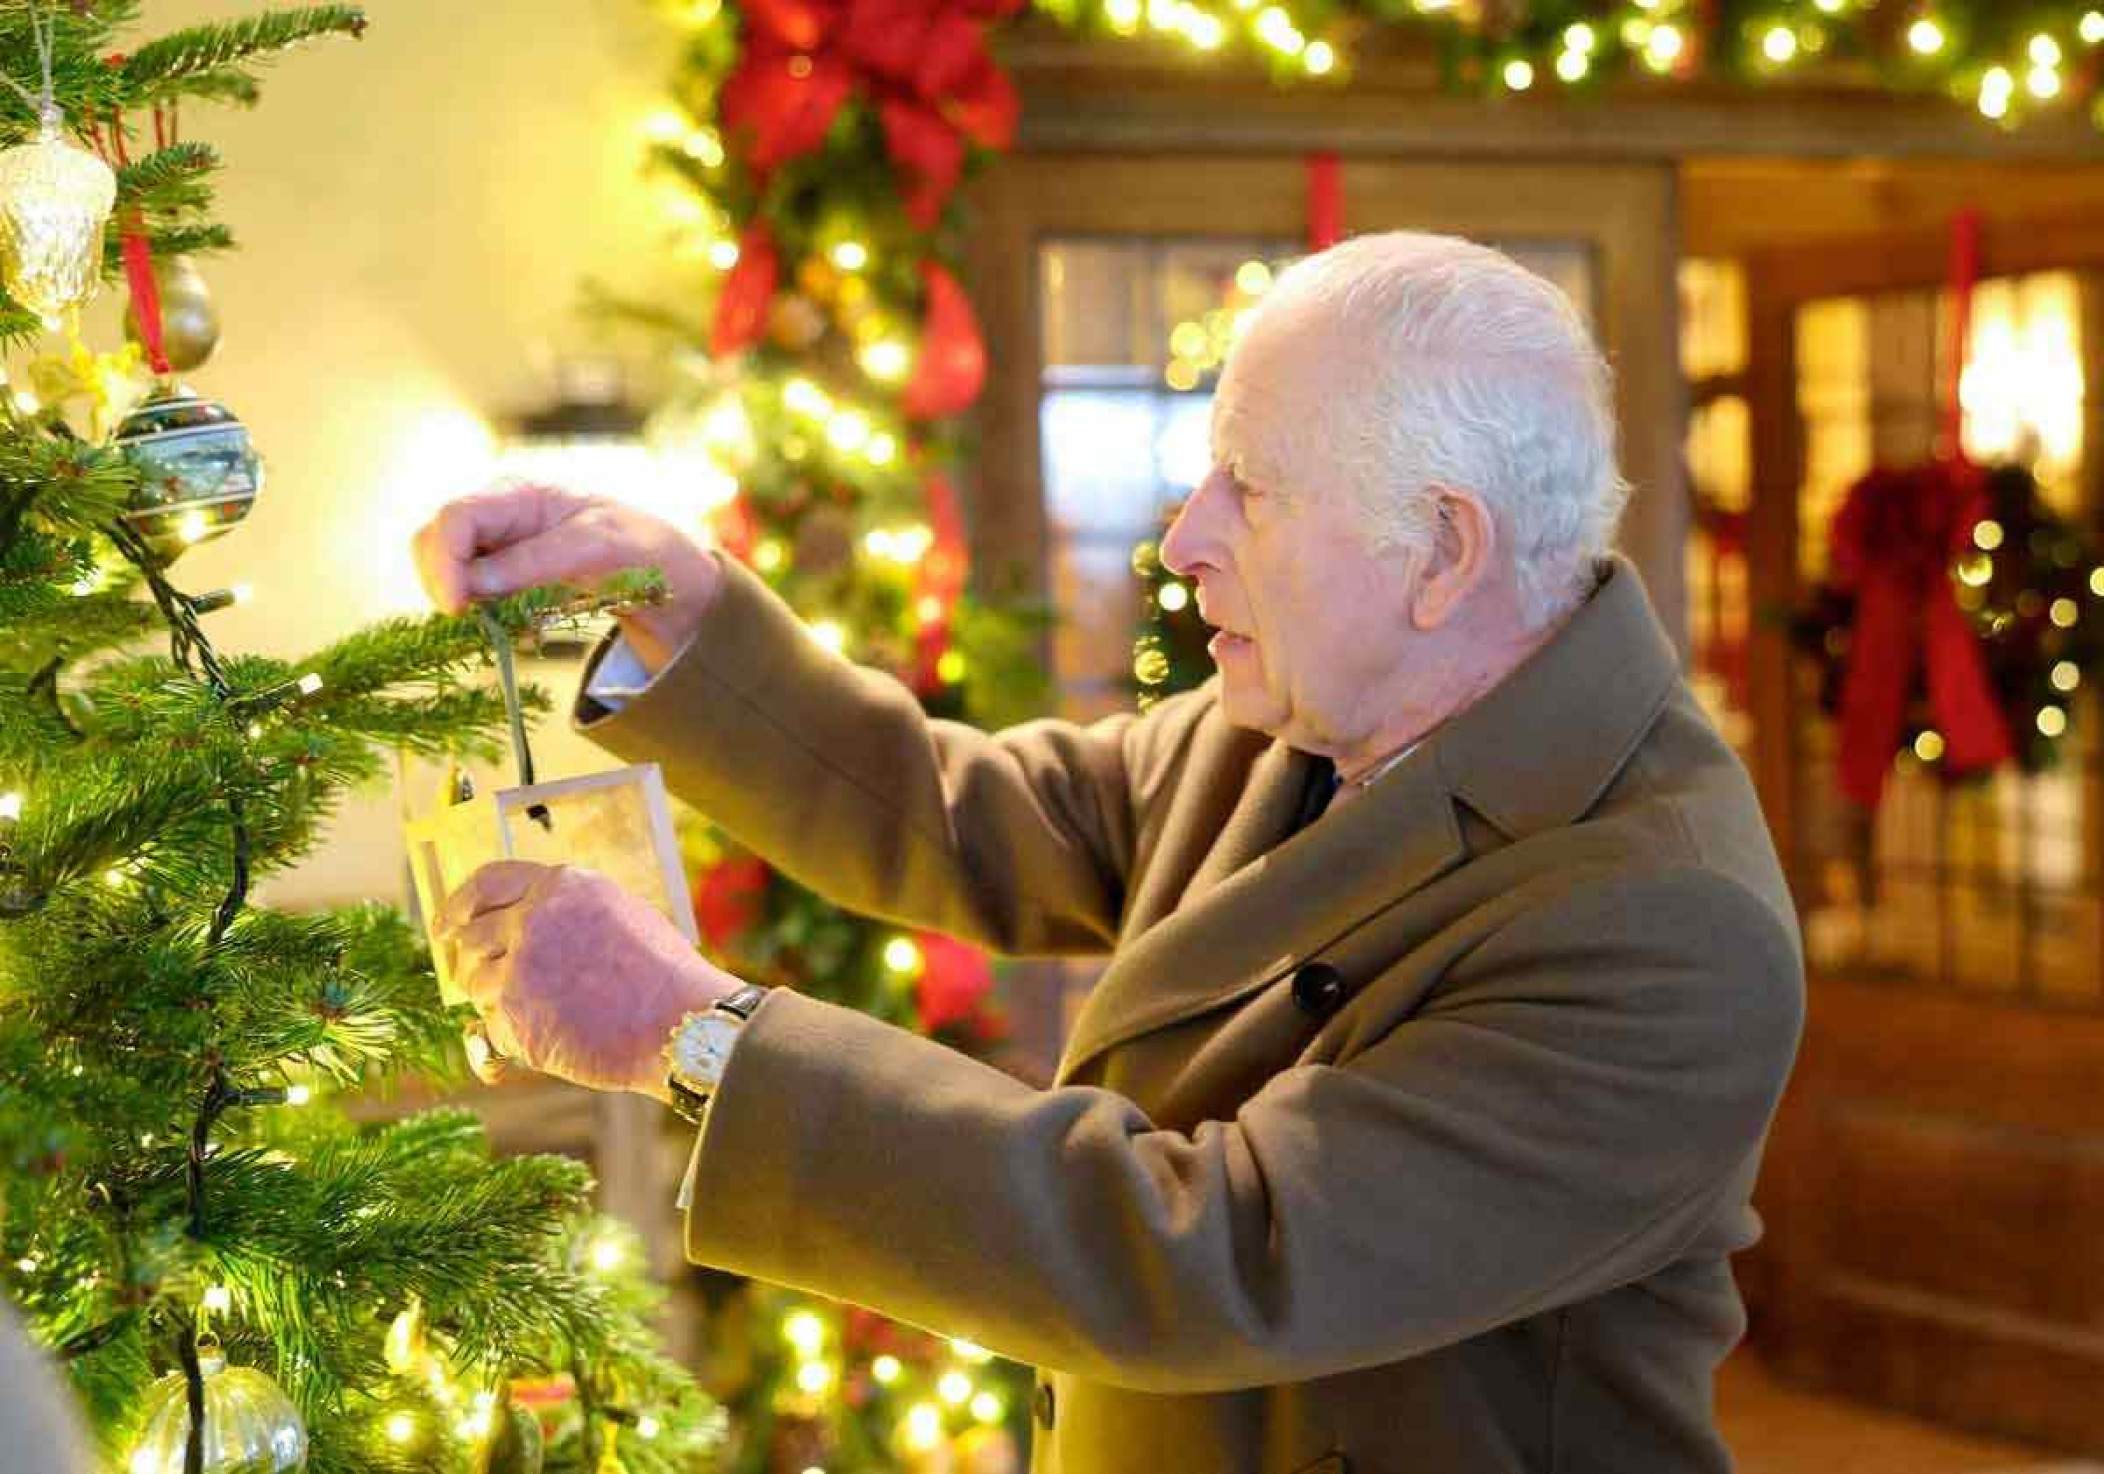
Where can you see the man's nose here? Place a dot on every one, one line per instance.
(1182, 543)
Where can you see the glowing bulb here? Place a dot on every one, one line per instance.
(298, 1094)
(1320, 58)
(1519, 75)
(987, 1408)
(830, 633)
(805, 397)
(27, 402)
(814, 1377)
(1779, 45)
(883, 449)
(2052, 721)
(849, 430)
(114, 877)
(607, 1255)
(2064, 613)
(1205, 31)
(1173, 597)
(2045, 51)
(1664, 47)
(723, 255)
(902, 955)
(887, 359)
(770, 555)
(2043, 82)
(886, 1369)
(648, 1427)
(1572, 66)
(10, 805)
(2066, 676)
(1123, 15)
(310, 683)
(1581, 38)
(929, 609)
(401, 1427)
(1253, 278)
(27, 1264)
(193, 527)
(950, 668)
(704, 146)
(954, 1388)
(851, 255)
(2091, 29)
(218, 1299)
(1987, 536)
(805, 1331)
(1995, 89)
(664, 125)
(923, 1426)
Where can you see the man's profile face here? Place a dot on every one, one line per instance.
(1313, 624)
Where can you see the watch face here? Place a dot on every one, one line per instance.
(698, 1051)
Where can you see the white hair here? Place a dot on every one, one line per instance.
(1458, 368)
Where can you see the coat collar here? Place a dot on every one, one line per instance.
(1262, 901)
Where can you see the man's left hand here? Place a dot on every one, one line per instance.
(573, 976)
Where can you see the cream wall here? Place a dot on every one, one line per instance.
(417, 211)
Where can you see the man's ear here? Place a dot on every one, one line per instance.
(1464, 543)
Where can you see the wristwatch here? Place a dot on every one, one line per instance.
(700, 1048)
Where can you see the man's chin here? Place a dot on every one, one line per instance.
(1245, 704)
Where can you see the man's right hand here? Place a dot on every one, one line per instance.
(496, 542)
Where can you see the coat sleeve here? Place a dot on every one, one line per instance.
(1020, 840)
(1581, 1096)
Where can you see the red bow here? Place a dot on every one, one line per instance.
(923, 62)
(1893, 541)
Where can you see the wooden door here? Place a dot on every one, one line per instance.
(1930, 1180)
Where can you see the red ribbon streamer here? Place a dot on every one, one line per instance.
(1964, 282)
(1325, 201)
(950, 369)
(741, 305)
(1893, 541)
(146, 294)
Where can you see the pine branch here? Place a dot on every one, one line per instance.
(159, 66)
(170, 240)
(168, 181)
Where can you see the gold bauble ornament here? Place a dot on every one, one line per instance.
(55, 200)
(189, 316)
(250, 1425)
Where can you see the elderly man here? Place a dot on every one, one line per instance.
(1452, 976)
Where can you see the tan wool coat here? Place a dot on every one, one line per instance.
(1412, 1142)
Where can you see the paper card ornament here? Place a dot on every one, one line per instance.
(617, 823)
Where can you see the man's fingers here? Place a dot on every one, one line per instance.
(489, 1066)
(496, 885)
(584, 549)
(480, 522)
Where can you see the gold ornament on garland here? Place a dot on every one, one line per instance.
(795, 322)
(406, 1344)
(189, 316)
(250, 1425)
(55, 202)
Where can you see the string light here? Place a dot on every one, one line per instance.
(401, 1427)
(1929, 746)
(851, 255)
(950, 668)
(218, 1299)
(805, 1331)
(607, 1255)
(1123, 15)
(2052, 721)
(1779, 45)
(1664, 47)
(1987, 535)
(1173, 597)
(648, 1427)
(954, 1388)
(1996, 88)
(903, 955)
(886, 1369)
(1519, 75)
(814, 1377)
(830, 633)
(1320, 58)
(1581, 38)
(883, 449)
(2045, 51)
(193, 527)
(27, 1264)
(886, 360)
(2091, 28)
(10, 806)
(298, 1095)
(1572, 66)
(987, 1408)
(923, 1426)
(849, 430)
(2066, 676)
(723, 255)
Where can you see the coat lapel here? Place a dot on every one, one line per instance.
(1261, 903)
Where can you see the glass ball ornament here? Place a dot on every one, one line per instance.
(55, 202)
(189, 316)
(198, 473)
(250, 1425)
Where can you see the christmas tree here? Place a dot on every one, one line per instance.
(232, 1274)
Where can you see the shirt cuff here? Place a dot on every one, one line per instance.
(620, 676)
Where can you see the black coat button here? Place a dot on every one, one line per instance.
(1318, 989)
(1041, 1405)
